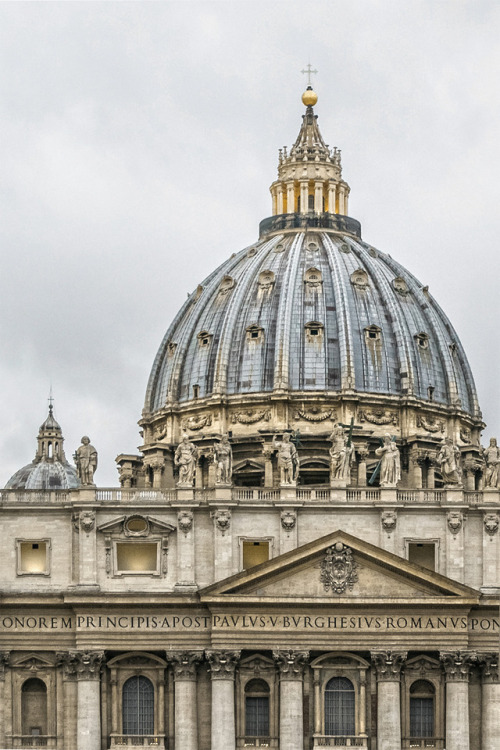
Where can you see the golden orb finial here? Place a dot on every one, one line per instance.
(309, 97)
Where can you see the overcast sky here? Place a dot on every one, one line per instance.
(138, 143)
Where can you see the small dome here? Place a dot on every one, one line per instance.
(44, 475)
(49, 470)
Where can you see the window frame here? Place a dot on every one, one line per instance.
(118, 573)
(19, 570)
(250, 539)
(435, 541)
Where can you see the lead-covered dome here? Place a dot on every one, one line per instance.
(308, 310)
(49, 470)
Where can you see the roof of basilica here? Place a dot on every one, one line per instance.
(311, 307)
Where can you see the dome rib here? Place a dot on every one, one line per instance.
(346, 341)
(282, 352)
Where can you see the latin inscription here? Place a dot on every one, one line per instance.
(221, 622)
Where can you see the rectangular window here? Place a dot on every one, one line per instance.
(256, 716)
(255, 553)
(423, 554)
(33, 557)
(137, 557)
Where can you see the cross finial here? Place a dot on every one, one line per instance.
(309, 72)
(50, 400)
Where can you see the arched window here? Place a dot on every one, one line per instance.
(138, 706)
(422, 709)
(257, 708)
(34, 707)
(339, 707)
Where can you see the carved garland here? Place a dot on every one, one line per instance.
(249, 417)
(431, 425)
(314, 414)
(197, 423)
(378, 416)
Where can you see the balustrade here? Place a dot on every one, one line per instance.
(340, 742)
(137, 740)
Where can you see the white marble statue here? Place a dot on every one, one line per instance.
(449, 462)
(185, 458)
(86, 462)
(341, 454)
(492, 457)
(390, 462)
(223, 459)
(288, 459)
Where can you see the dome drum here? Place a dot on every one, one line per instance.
(323, 220)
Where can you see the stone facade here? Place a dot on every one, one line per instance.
(290, 567)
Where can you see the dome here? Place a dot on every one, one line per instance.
(49, 470)
(308, 327)
(311, 310)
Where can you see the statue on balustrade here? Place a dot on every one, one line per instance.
(223, 459)
(185, 459)
(288, 460)
(86, 462)
(491, 455)
(449, 462)
(341, 454)
(390, 462)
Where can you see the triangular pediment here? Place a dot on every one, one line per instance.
(339, 567)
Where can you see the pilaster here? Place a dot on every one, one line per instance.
(185, 551)
(184, 665)
(490, 688)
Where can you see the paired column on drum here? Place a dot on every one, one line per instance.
(186, 718)
(222, 668)
(490, 701)
(291, 666)
(388, 665)
(457, 667)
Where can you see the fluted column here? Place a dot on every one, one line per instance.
(291, 666)
(490, 701)
(388, 665)
(332, 198)
(222, 667)
(279, 199)
(304, 196)
(457, 666)
(186, 718)
(87, 666)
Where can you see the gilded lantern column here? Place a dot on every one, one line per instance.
(222, 668)
(88, 719)
(186, 718)
(388, 665)
(291, 665)
(457, 666)
(490, 701)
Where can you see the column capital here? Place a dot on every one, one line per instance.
(222, 664)
(457, 664)
(291, 664)
(184, 663)
(488, 664)
(388, 664)
(84, 665)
